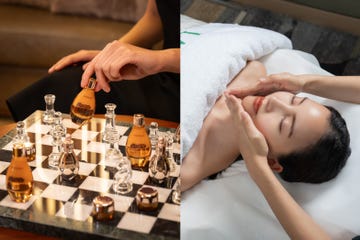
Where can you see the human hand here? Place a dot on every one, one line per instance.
(80, 56)
(272, 83)
(118, 61)
(252, 144)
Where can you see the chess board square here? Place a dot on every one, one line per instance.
(3, 166)
(139, 177)
(9, 146)
(7, 202)
(46, 206)
(6, 155)
(132, 193)
(97, 147)
(84, 197)
(80, 144)
(134, 209)
(86, 168)
(161, 226)
(170, 212)
(38, 128)
(47, 140)
(76, 182)
(104, 172)
(91, 157)
(121, 202)
(44, 150)
(3, 194)
(3, 182)
(38, 187)
(84, 135)
(136, 222)
(176, 171)
(176, 148)
(45, 175)
(168, 183)
(69, 124)
(123, 140)
(95, 124)
(75, 211)
(38, 162)
(58, 192)
(96, 184)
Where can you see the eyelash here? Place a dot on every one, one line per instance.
(282, 120)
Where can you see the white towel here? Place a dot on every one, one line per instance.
(211, 56)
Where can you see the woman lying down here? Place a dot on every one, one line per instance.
(278, 131)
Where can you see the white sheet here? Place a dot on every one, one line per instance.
(232, 207)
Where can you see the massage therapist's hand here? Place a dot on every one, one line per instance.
(272, 83)
(80, 56)
(252, 143)
(118, 61)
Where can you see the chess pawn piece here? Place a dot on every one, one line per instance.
(83, 107)
(122, 179)
(22, 137)
(159, 168)
(109, 119)
(48, 115)
(153, 135)
(68, 162)
(138, 145)
(19, 178)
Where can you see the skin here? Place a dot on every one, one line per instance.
(129, 57)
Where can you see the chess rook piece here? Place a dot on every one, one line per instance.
(22, 137)
(138, 145)
(19, 178)
(159, 168)
(83, 107)
(68, 162)
(48, 115)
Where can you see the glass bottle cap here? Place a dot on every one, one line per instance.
(91, 83)
(139, 120)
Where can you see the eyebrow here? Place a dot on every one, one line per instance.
(294, 119)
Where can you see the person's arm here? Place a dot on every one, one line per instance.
(342, 88)
(148, 30)
(253, 147)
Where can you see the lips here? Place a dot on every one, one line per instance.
(257, 103)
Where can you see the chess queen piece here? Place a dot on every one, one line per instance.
(122, 179)
(83, 107)
(138, 145)
(22, 137)
(19, 178)
(159, 168)
(48, 115)
(109, 119)
(68, 162)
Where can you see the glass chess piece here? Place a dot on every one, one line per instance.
(19, 178)
(58, 132)
(109, 119)
(48, 115)
(169, 140)
(68, 162)
(138, 147)
(58, 124)
(22, 137)
(83, 107)
(153, 135)
(112, 151)
(176, 194)
(159, 169)
(122, 179)
(177, 136)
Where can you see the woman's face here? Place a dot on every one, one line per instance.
(289, 123)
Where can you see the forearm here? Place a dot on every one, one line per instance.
(147, 31)
(169, 60)
(343, 88)
(296, 222)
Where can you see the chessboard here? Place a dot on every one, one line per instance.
(63, 209)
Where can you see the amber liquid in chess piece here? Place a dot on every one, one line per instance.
(19, 179)
(138, 146)
(83, 107)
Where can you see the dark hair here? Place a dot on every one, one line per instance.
(323, 160)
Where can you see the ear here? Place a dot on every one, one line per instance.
(275, 165)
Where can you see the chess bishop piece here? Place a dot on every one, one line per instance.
(68, 162)
(159, 168)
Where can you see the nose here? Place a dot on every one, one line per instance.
(275, 104)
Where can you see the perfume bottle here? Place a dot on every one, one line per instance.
(122, 179)
(22, 137)
(19, 178)
(138, 145)
(109, 119)
(83, 107)
(159, 168)
(68, 162)
(48, 115)
(153, 135)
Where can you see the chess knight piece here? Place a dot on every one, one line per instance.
(68, 162)
(19, 178)
(83, 107)
(138, 145)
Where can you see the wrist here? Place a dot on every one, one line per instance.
(169, 60)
